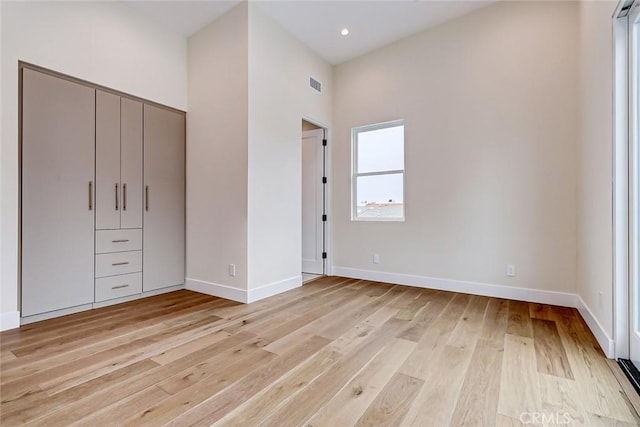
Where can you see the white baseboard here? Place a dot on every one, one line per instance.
(242, 295)
(216, 290)
(56, 313)
(274, 288)
(606, 343)
(9, 320)
(161, 291)
(115, 301)
(563, 299)
(137, 296)
(84, 307)
(500, 291)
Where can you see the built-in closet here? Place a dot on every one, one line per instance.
(102, 196)
(118, 196)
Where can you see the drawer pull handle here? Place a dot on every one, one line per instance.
(119, 286)
(120, 241)
(120, 263)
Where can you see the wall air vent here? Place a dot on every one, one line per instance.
(315, 84)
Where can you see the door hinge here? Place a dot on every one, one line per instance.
(324, 217)
(324, 142)
(324, 255)
(324, 179)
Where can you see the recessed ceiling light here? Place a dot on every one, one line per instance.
(345, 31)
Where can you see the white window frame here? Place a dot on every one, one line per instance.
(354, 168)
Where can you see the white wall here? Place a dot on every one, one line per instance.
(248, 92)
(279, 97)
(217, 156)
(105, 43)
(595, 246)
(10, 294)
(490, 103)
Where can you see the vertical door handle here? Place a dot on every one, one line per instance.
(124, 197)
(90, 195)
(116, 196)
(146, 198)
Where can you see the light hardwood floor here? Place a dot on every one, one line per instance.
(336, 352)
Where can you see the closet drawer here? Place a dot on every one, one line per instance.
(118, 286)
(118, 240)
(118, 263)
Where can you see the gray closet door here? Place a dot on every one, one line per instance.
(108, 187)
(164, 180)
(58, 127)
(131, 163)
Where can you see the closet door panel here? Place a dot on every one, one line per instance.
(58, 131)
(164, 180)
(131, 163)
(108, 187)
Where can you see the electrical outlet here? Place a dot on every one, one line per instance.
(376, 258)
(511, 270)
(601, 300)
(232, 270)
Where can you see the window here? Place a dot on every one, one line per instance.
(378, 172)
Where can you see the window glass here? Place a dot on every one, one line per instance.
(381, 150)
(378, 175)
(380, 196)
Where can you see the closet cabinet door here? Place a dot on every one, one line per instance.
(131, 163)
(108, 187)
(164, 180)
(58, 143)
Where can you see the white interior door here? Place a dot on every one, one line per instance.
(312, 203)
(634, 138)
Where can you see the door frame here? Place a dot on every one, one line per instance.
(326, 198)
(634, 176)
(623, 270)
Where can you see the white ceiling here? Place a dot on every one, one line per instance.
(372, 23)
(185, 17)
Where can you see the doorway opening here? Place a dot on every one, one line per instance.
(314, 201)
